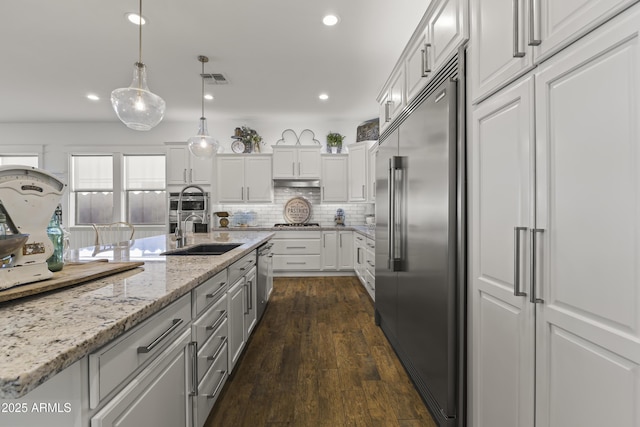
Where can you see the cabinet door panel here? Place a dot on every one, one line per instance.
(562, 22)
(177, 164)
(236, 319)
(502, 353)
(329, 252)
(345, 250)
(284, 162)
(230, 179)
(309, 162)
(358, 172)
(588, 185)
(257, 179)
(447, 30)
(201, 170)
(334, 178)
(416, 77)
(492, 48)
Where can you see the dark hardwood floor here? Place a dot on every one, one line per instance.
(317, 359)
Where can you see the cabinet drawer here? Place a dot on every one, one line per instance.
(370, 261)
(155, 397)
(296, 247)
(210, 387)
(371, 244)
(212, 348)
(209, 292)
(113, 363)
(241, 267)
(296, 262)
(298, 234)
(209, 321)
(370, 280)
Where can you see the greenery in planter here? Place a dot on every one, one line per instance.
(334, 139)
(251, 138)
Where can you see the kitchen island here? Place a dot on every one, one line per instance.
(44, 335)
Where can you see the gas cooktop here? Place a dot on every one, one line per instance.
(293, 224)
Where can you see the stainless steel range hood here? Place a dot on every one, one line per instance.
(296, 183)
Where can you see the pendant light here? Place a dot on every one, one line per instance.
(202, 145)
(136, 106)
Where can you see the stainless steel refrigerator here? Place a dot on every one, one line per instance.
(419, 298)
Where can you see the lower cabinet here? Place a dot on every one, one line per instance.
(237, 310)
(251, 313)
(364, 258)
(156, 397)
(337, 250)
(211, 385)
(295, 251)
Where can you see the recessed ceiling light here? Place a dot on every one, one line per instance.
(323, 96)
(330, 20)
(208, 97)
(134, 18)
(93, 97)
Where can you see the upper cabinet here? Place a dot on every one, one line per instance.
(358, 171)
(443, 31)
(244, 178)
(334, 178)
(509, 37)
(184, 168)
(371, 172)
(297, 162)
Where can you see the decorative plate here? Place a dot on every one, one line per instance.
(237, 146)
(297, 210)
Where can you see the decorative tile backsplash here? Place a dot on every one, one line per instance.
(272, 213)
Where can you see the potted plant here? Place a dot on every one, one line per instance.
(334, 142)
(251, 139)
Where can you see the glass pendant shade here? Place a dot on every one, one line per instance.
(203, 145)
(136, 106)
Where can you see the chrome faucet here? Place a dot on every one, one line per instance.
(181, 235)
(182, 239)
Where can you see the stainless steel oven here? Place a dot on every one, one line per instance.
(194, 202)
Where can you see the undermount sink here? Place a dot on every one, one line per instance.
(204, 249)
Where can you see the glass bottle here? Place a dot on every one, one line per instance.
(55, 233)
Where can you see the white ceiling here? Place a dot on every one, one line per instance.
(276, 54)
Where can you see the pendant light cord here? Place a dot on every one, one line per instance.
(202, 96)
(140, 34)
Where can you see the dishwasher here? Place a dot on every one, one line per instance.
(265, 276)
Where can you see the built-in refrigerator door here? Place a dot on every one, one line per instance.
(386, 279)
(427, 296)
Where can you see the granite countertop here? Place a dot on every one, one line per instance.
(44, 334)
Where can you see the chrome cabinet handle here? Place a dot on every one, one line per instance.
(190, 175)
(165, 334)
(533, 13)
(218, 350)
(193, 348)
(246, 298)
(296, 247)
(248, 198)
(299, 169)
(372, 265)
(363, 191)
(293, 168)
(296, 263)
(426, 69)
(387, 111)
(517, 261)
(516, 30)
(184, 175)
(323, 192)
(340, 240)
(215, 294)
(250, 292)
(217, 389)
(535, 232)
(218, 321)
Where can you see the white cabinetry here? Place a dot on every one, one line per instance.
(435, 41)
(568, 176)
(358, 178)
(237, 310)
(296, 250)
(364, 254)
(184, 168)
(371, 172)
(393, 99)
(507, 42)
(251, 313)
(337, 250)
(296, 162)
(244, 178)
(334, 178)
(157, 396)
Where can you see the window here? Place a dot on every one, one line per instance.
(109, 188)
(19, 160)
(92, 185)
(144, 183)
